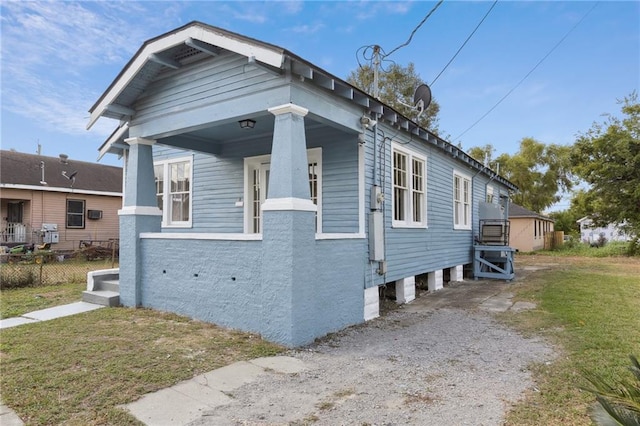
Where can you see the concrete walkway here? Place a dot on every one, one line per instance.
(49, 314)
(192, 399)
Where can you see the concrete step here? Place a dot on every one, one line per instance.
(108, 285)
(101, 297)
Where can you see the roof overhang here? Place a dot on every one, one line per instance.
(210, 40)
(196, 35)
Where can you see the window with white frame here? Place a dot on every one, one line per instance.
(257, 185)
(409, 197)
(173, 191)
(490, 197)
(461, 201)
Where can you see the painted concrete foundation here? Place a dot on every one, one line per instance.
(405, 290)
(456, 273)
(371, 303)
(434, 280)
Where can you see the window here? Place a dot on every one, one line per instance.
(461, 201)
(257, 185)
(490, 196)
(173, 191)
(409, 188)
(75, 214)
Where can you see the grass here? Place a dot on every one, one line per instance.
(589, 308)
(77, 370)
(15, 302)
(614, 248)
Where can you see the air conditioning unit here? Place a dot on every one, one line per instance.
(94, 214)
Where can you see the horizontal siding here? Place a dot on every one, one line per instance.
(205, 82)
(51, 207)
(412, 251)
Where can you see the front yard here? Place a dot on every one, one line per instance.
(78, 369)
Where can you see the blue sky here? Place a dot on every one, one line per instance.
(58, 58)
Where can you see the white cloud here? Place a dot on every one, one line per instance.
(308, 29)
(53, 52)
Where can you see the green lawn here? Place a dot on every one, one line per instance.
(76, 370)
(15, 302)
(590, 309)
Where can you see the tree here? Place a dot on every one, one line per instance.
(396, 88)
(607, 157)
(540, 171)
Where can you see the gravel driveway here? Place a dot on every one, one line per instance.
(441, 360)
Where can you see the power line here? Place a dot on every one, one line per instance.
(415, 29)
(528, 74)
(465, 42)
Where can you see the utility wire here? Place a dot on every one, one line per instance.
(529, 73)
(465, 42)
(415, 29)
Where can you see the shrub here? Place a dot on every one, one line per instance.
(619, 402)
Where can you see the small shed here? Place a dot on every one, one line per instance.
(528, 229)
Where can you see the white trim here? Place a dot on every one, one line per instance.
(289, 204)
(166, 163)
(314, 155)
(409, 222)
(286, 108)
(113, 139)
(140, 210)
(341, 236)
(201, 236)
(137, 140)
(361, 190)
(464, 176)
(264, 54)
(238, 236)
(58, 189)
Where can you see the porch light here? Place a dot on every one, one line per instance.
(247, 123)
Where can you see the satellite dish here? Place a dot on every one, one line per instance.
(422, 97)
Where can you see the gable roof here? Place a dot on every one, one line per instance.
(518, 211)
(196, 40)
(20, 170)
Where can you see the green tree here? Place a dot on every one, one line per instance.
(396, 86)
(540, 171)
(607, 157)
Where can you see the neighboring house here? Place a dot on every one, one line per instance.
(528, 229)
(57, 200)
(591, 234)
(284, 198)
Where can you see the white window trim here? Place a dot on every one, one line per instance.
(250, 163)
(490, 193)
(409, 223)
(463, 176)
(166, 223)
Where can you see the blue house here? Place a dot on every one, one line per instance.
(263, 193)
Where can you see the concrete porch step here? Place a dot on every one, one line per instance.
(101, 297)
(109, 285)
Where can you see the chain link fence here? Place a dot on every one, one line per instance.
(38, 269)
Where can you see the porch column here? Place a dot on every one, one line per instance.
(289, 307)
(139, 213)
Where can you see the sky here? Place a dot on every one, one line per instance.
(541, 69)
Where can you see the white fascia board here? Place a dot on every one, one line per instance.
(260, 53)
(115, 137)
(59, 189)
